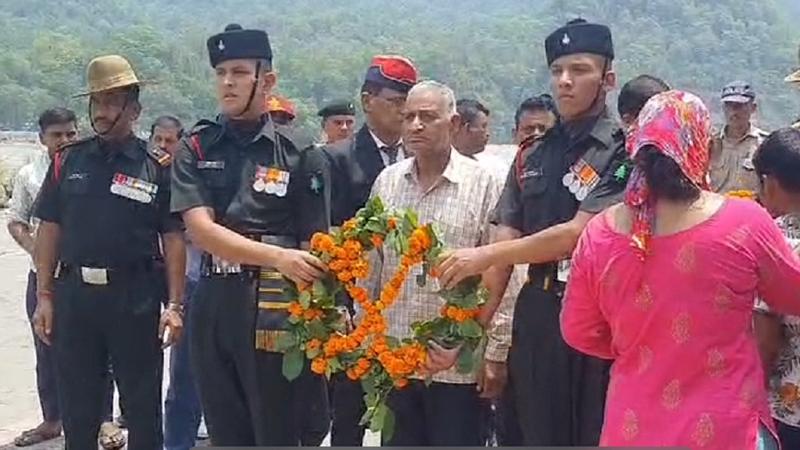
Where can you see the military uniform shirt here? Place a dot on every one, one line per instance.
(111, 201)
(223, 178)
(535, 198)
(731, 165)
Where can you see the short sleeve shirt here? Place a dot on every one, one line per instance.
(536, 196)
(111, 201)
(227, 174)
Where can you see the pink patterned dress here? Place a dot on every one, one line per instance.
(678, 325)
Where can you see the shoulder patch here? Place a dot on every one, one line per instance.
(163, 158)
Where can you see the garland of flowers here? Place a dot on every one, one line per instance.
(318, 330)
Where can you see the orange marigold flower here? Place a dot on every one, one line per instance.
(318, 365)
(351, 374)
(392, 223)
(313, 344)
(350, 225)
(339, 253)
(377, 240)
(400, 383)
(295, 309)
(322, 242)
(312, 314)
(344, 276)
(352, 246)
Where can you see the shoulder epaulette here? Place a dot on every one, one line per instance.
(162, 157)
(61, 154)
(193, 138)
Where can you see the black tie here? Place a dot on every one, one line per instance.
(391, 152)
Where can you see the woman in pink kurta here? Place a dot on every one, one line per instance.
(674, 309)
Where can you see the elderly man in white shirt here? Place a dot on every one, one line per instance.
(457, 194)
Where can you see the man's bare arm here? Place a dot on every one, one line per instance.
(45, 255)
(175, 258)
(219, 241)
(496, 277)
(22, 233)
(548, 245)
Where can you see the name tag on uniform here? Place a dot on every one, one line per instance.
(531, 173)
(271, 180)
(133, 188)
(564, 266)
(214, 165)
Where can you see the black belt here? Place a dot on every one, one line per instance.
(210, 268)
(545, 277)
(103, 275)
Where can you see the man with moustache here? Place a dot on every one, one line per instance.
(104, 211)
(355, 163)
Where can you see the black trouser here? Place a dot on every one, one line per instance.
(93, 324)
(348, 408)
(788, 435)
(246, 399)
(558, 393)
(441, 414)
(46, 379)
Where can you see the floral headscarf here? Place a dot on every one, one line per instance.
(678, 125)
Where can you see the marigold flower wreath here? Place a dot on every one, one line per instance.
(317, 330)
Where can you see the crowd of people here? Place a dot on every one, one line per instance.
(640, 274)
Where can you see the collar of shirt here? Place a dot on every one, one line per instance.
(601, 128)
(454, 171)
(41, 164)
(380, 144)
(129, 147)
(267, 130)
(753, 132)
(605, 129)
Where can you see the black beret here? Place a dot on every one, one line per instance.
(579, 36)
(338, 108)
(237, 43)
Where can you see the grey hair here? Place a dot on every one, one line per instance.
(442, 89)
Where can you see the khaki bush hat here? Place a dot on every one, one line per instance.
(105, 73)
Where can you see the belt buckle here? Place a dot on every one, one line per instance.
(95, 276)
(224, 267)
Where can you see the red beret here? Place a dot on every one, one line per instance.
(392, 71)
(276, 103)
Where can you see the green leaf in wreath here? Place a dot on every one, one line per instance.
(312, 353)
(335, 364)
(293, 361)
(387, 429)
(318, 289)
(470, 328)
(305, 299)
(317, 329)
(392, 342)
(286, 342)
(377, 421)
(466, 360)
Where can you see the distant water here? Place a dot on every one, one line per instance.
(14, 156)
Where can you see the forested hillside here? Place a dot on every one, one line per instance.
(489, 50)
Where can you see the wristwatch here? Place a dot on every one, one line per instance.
(176, 307)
